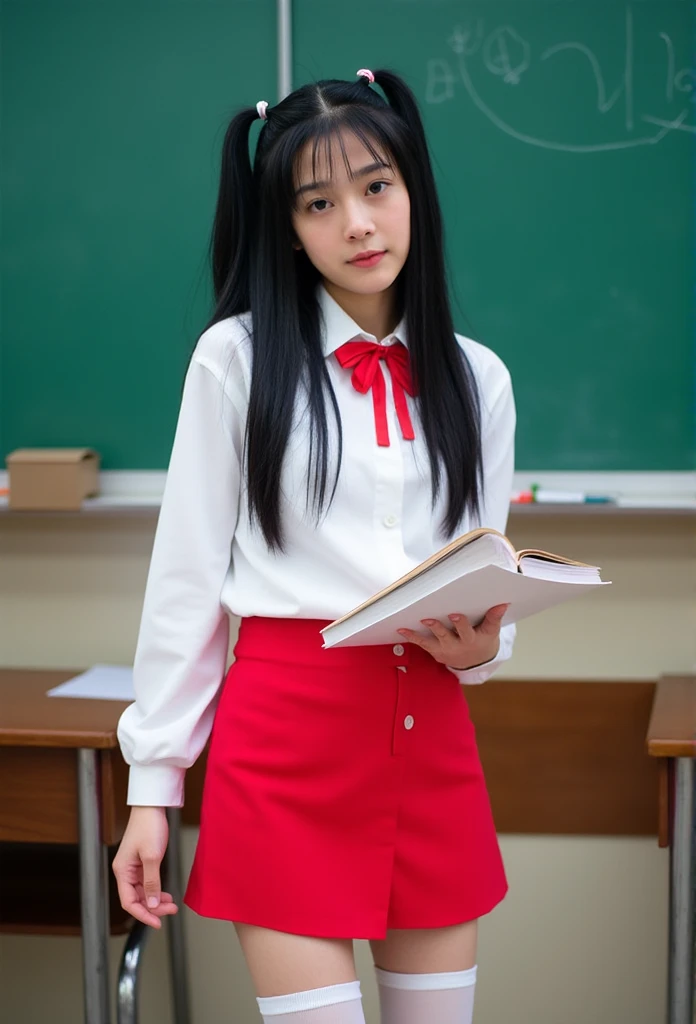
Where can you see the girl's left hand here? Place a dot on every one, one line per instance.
(463, 646)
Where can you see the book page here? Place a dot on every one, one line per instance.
(570, 572)
(452, 548)
(547, 556)
(471, 595)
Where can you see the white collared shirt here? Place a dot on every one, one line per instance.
(207, 562)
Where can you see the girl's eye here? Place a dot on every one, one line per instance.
(381, 185)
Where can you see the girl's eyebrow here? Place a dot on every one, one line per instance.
(312, 186)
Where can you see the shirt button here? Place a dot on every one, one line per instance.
(390, 520)
(398, 648)
(408, 722)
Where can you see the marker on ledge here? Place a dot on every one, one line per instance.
(544, 496)
(522, 498)
(547, 497)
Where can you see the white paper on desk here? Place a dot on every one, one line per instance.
(101, 682)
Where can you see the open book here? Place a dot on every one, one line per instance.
(472, 574)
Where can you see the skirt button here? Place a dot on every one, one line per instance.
(408, 722)
(398, 648)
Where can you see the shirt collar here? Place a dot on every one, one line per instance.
(338, 327)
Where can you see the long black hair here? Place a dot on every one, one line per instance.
(256, 268)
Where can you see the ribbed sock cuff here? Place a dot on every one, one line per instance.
(311, 999)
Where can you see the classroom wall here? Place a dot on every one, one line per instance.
(582, 934)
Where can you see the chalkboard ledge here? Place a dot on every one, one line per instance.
(140, 492)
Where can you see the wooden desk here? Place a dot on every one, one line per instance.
(672, 738)
(64, 781)
(566, 757)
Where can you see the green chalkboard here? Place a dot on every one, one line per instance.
(112, 120)
(563, 136)
(568, 202)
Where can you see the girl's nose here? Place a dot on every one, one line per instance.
(358, 222)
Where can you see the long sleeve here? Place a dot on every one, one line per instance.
(498, 443)
(182, 645)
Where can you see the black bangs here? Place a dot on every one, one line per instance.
(278, 169)
(258, 269)
(332, 130)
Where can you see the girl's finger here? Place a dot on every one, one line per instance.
(151, 880)
(436, 627)
(491, 623)
(131, 904)
(151, 916)
(410, 636)
(416, 638)
(163, 910)
(166, 896)
(141, 913)
(462, 626)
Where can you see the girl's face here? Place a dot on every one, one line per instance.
(337, 218)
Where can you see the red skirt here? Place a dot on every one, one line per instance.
(343, 793)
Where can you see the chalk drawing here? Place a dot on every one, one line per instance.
(507, 55)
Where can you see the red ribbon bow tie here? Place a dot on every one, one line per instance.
(364, 356)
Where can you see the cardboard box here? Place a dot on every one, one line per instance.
(52, 479)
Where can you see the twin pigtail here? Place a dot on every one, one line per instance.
(401, 100)
(234, 213)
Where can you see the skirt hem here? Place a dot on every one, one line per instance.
(347, 930)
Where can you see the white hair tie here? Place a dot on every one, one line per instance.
(261, 108)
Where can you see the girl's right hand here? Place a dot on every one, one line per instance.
(137, 866)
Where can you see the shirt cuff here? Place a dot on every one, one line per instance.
(156, 785)
(479, 674)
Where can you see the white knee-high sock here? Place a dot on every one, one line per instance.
(334, 1004)
(447, 998)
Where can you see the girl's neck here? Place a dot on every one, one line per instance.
(375, 314)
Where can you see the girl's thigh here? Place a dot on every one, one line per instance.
(281, 963)
(427, 950)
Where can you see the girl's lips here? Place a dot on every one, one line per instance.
(369, 261)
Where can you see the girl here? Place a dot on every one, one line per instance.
(344, 796)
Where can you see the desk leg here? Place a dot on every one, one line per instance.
(175, 923)
(94, 893)
(681, 923)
